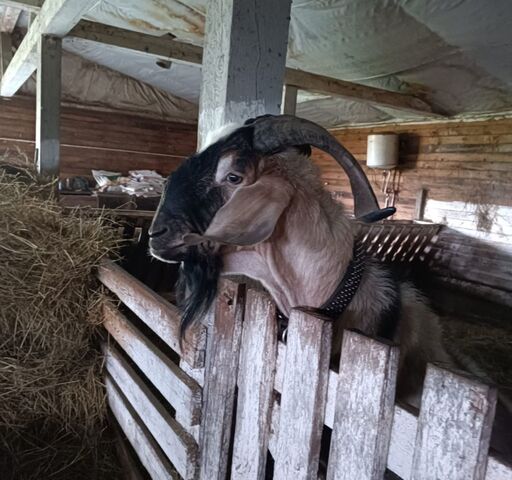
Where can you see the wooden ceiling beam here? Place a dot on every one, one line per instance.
(355, 91)
(8, 18)
(28, 5)
(167, 48)
(164, 47)
(56, 17)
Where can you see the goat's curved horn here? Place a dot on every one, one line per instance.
(272, 133)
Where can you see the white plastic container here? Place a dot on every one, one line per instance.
(382, 151)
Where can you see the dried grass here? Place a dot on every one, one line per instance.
(488, 346)
(52, 402)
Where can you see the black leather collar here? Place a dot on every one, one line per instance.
(338, 302)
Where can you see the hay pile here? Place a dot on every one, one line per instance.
(52, 406)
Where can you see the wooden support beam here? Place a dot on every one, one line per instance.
(341, 88)
(5, 52)
(8, 18)
(48, 106)
(28, 5)
(289, 105)
(164, 47)
(57, 17)
(244, 61)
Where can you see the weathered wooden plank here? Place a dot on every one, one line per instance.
(403, 433)
(132, 468)
(401, 447)
(48, 106)
(181, 391)
(138, 435)
(303, 397)
(364, 408)
(196, 373)
(177, 444)
(258, 356)
(158, 314)
(221, 374)
(454, 427)
(56, 17)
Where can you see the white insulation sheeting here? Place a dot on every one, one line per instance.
(458, 53)
(91, 84)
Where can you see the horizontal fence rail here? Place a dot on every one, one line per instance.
(228, 405)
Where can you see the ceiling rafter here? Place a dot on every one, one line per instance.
(56, 17)
(168, 48)
(28, 5)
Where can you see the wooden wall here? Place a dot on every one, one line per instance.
(466, 169)
(92, 139)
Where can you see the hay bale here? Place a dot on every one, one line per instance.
(52, 402)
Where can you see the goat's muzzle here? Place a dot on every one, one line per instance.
(166, 240)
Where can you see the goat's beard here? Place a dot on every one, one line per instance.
(197, 285)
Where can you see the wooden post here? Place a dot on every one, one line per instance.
(243, 61)
(48, 106)
(303, 397)
(454, 427)
(258, 357)
(220, 381)
(421, 200)
(364, 408)
(5, 52)
(289, 105)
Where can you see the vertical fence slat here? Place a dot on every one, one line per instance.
(454, 427)
(221, 373)
(303, 397)
(258, 355)
(364, 408)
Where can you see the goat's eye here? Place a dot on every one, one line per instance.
(233, 178)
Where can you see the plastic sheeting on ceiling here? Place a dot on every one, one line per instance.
(86, 82)
(458, 53)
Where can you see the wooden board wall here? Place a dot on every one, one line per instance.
(466, 169)
(92, 139)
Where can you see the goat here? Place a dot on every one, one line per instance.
(252, 203)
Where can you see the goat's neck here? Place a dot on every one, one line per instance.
(303, 261)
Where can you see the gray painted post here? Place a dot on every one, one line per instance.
(48, 106)
(243, 62)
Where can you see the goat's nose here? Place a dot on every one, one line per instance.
(157, 231)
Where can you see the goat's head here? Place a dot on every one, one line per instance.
(232, 193)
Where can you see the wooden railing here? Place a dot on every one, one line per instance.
(178, 403)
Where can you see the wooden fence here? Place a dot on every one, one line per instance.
(244, 405)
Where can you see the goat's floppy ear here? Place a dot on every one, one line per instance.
(251, 214)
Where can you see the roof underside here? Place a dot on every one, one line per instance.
(457, 54)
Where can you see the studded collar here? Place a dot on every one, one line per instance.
(346, 289)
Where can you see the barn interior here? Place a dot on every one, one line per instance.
(420, 92)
